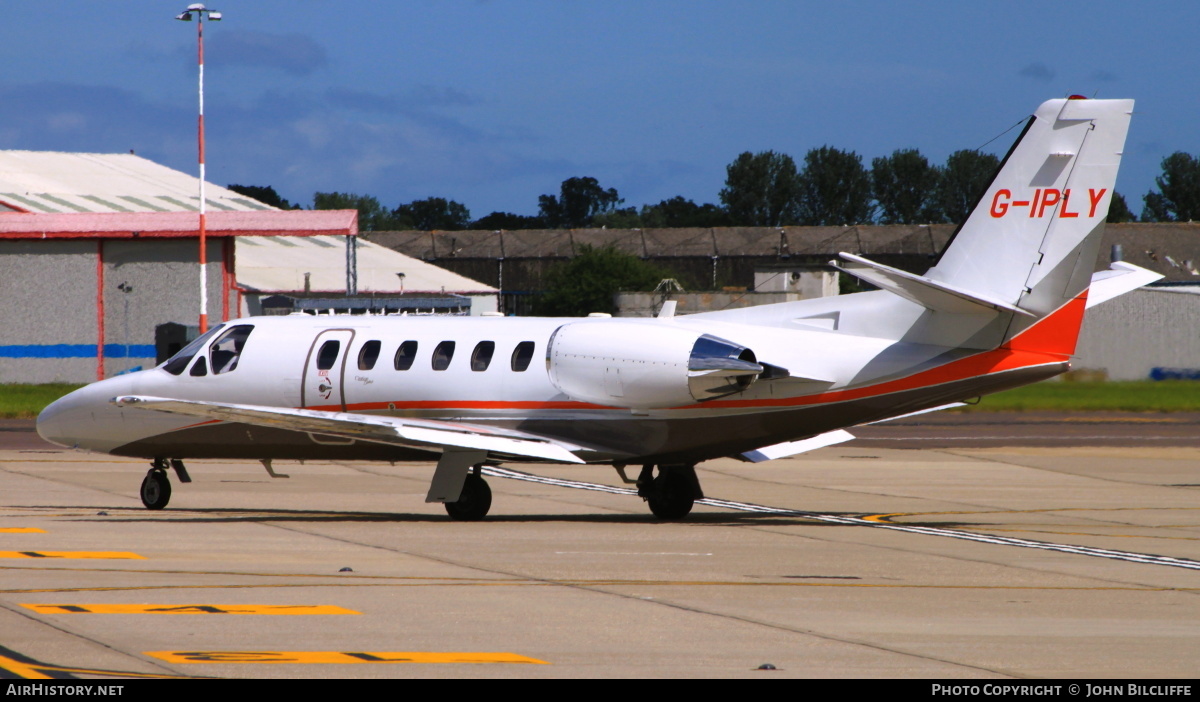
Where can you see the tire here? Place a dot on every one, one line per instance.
(474, 502)
(156, 490)
(671, 496)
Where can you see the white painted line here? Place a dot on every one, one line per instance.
(1128, 556)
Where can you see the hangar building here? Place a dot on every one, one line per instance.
(98, 250)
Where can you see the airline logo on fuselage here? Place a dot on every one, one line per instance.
(1044, 202)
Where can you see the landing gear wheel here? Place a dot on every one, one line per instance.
(673, 492)
(156, 489)
(474, 502)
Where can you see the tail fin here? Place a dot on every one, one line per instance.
(1033, 238)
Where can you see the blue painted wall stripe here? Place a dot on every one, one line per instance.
(76, 351)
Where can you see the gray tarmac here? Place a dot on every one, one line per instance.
(941, 550)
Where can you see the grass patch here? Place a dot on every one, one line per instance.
(1083, 396)
(25, 401)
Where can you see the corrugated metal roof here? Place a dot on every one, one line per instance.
(127, 225)
(278, 265)
(53, 182)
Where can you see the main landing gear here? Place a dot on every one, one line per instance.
(474, 501)
(156, 487)
(672, 492)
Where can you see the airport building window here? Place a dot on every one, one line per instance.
(328, 354)
(522, 355)
(368, 355)
(405, 355)
(177, 363)
(481, 357)
(442, 355)
(227, 349)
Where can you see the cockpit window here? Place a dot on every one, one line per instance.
(199, 368)
(227, 349)
(177, 363)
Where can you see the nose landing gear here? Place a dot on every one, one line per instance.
(156, 486)
(156, 489)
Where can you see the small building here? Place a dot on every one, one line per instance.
(305, 269)
(99, 259)
(84, 293)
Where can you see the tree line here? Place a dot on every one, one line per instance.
(832, 187)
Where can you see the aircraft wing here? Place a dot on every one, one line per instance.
(398, 431)
(829, 438)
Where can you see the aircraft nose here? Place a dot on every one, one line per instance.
(83, 419)
(54, 421)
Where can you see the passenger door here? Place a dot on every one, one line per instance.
(325, 370)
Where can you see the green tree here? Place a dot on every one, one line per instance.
(761, 190)
(1178, 198)
(620, 218)
(681, 212)
(905, 188)
(588, 282)
(264, 194)
(372, 217)
(433, 213)
(835, 188)
(964, 179)
(1118, 210)
(508, 220)
(579, 200)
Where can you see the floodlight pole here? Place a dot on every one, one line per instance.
(201, 13)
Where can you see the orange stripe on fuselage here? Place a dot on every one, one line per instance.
(1056, 333)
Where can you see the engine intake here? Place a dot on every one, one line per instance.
(646, 366)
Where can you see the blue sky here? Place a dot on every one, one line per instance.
(494, 102)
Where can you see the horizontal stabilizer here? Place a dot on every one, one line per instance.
(931, 294)
(1119, 279)
(410, 433)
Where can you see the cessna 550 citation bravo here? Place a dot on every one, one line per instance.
(1002, 307)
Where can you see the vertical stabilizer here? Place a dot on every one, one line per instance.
(1032, 240)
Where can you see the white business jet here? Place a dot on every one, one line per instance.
(1002, 307)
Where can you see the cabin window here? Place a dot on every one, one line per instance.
(227, 349)
(405, 355)
(481, 357)
(328, 353)
(368, 355)
(177, 363)
(442, 355)
(199, 368)
(522, 355)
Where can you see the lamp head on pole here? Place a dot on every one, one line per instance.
(201, 13)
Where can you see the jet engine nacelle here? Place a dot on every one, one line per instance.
(645, 366)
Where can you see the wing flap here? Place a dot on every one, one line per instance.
(411, 433)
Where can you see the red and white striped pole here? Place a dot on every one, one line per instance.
(201, 14)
